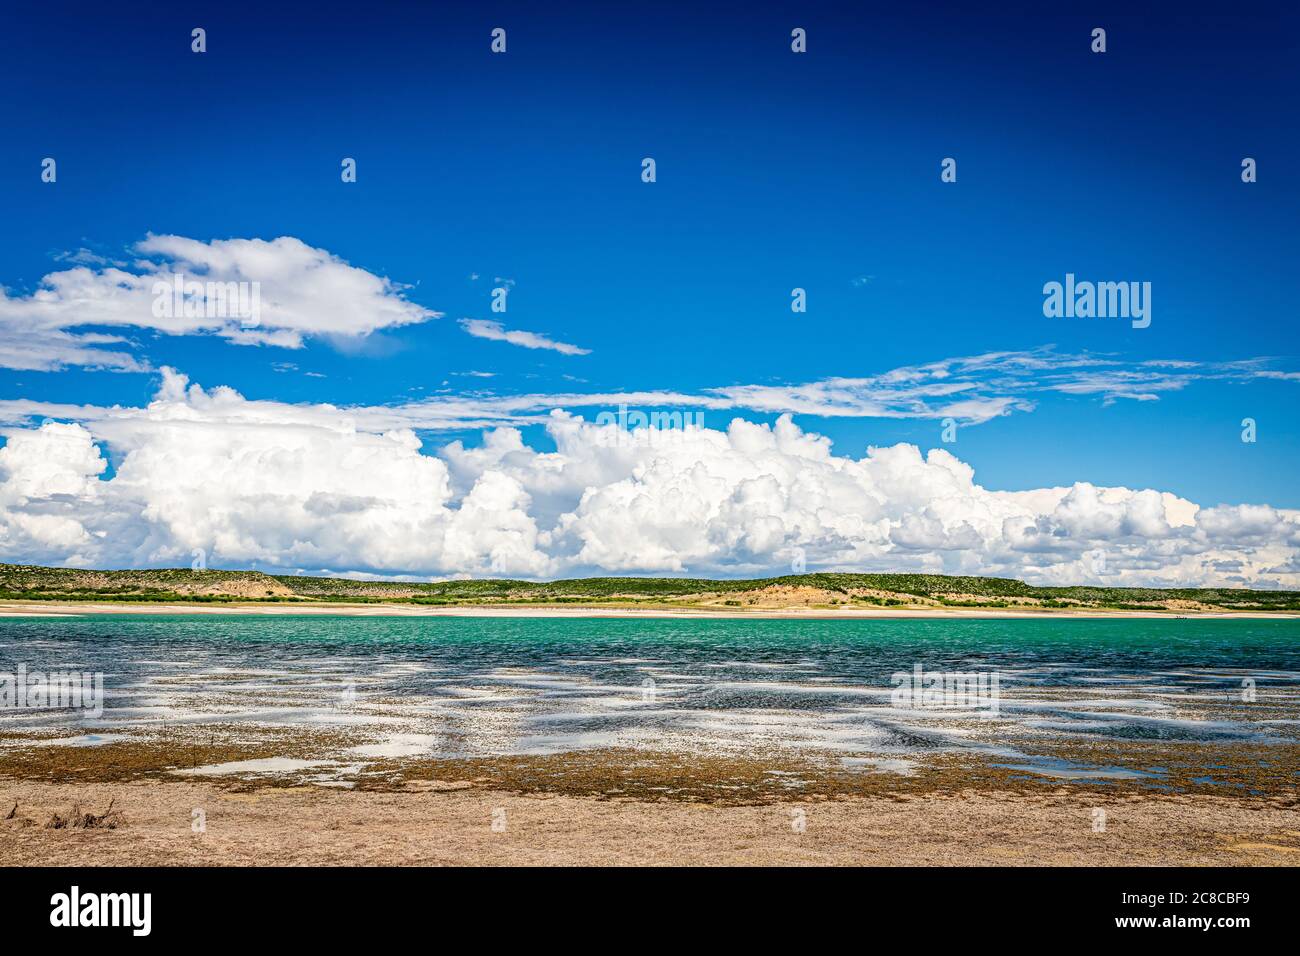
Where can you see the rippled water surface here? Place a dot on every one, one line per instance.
(453, 687)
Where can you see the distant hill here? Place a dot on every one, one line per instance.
(32, 583)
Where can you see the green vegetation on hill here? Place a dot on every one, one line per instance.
(28, 582)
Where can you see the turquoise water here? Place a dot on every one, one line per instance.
(1203, 641)
(473, 686)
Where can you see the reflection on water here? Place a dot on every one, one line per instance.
(455, 687)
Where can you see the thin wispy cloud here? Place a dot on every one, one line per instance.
(979, 388)
(496, 332)
(972, 390)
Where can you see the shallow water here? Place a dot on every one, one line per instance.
(454, 687)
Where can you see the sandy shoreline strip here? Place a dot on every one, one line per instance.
(70, 609)
(195, 824)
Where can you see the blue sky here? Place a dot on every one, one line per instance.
(775, 171)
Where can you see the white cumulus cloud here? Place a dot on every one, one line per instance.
(318, 487)
(301, 291)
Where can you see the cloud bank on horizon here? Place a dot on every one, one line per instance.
(319, 488)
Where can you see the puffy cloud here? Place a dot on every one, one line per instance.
(210, 472)
(317, 487)
(48, 484)
(293, 291)
(58, 460)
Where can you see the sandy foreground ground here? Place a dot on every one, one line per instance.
(71, 609)
(321, 826)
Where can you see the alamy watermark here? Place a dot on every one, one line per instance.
(637, 429)
(947, 690)
(1098, 300)
(75, 908)
(53, 690)
(192, 299)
